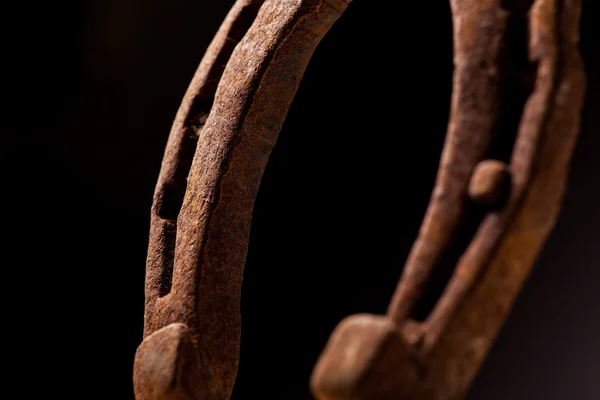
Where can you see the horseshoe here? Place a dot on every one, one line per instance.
(517, 95)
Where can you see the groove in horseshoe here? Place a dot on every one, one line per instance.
(518, 85)
(171, 191)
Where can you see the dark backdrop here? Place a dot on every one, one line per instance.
(92, 87)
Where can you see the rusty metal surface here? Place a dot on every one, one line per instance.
(517, 95)
(203, 202)
(442, 352)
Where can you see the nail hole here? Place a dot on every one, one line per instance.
(518, 80)
(443, 270)
(170, 195)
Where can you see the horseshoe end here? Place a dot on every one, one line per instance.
(167, 366)
(366, 358)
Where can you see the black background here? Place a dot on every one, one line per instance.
(92, 88)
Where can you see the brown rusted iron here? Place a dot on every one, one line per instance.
(215, 157)
(517, 95)
(397, 356)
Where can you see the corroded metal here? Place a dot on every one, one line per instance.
(397, 356)
(517, 96)
(216, 154)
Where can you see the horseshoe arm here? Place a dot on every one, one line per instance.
(202, 305)
(399, 357)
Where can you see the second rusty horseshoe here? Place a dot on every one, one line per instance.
(515, 202)
(219, 146)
